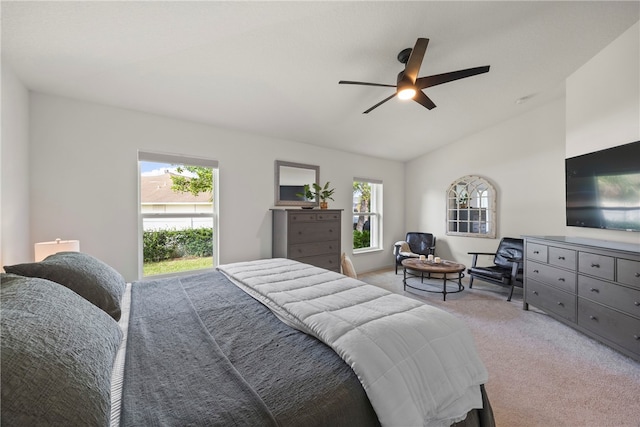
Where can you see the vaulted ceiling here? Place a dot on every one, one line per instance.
(272, 68)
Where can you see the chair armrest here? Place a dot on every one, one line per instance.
(475, 257)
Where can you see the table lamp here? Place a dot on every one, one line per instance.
(44, 249)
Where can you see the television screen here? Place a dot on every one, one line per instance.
(603, 188)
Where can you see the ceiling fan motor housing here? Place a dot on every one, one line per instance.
(404, 55)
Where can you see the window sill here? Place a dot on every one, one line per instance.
(366, 251)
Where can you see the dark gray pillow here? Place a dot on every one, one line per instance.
(57, 353)
(85, 275)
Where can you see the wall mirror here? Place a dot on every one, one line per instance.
(471, 208)
(290, 179)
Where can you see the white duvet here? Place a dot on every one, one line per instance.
(417, 363)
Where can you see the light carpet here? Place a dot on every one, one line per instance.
(541, 372)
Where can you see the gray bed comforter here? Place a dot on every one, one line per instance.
(202, 352)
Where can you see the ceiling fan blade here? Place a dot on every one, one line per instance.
(379, 104)
(424, 82)
(347, 82)
(415, 59)
(424, 100)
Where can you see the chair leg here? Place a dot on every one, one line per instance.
(396, 268)
(511, 292)
(470, 282)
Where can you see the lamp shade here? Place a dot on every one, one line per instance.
(44, 249)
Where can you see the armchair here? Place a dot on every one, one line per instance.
(414, 245)
(508, 265)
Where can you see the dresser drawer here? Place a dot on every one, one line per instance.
(616, 327)
(563, 279)
(596, 265)
(562, 257)
(551, 300)
(537, 252)
(328, 261)
(302, 217)
(618, 297)
(319, 231)
(302, 250)
(629, 272)
(331, 216)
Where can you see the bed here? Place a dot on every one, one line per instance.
(214, 348)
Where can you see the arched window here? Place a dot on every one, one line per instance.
(471, 208)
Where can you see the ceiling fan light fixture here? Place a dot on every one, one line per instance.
(406, 93)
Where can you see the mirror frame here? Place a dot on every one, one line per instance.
(278, 201)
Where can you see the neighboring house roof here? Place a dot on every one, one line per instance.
(157, 189)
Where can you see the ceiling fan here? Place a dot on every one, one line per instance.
(409, 85)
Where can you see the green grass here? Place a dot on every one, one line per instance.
(176, 265)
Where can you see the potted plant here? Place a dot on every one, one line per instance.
(324, 194)
(316, 192)
(463, 199)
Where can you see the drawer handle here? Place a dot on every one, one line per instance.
(536, 252)
(637, 337)
(561, 279)
(637, 274)
(561, 258)
(536, 271)
(593, 318)
(596, 290)
(560, 303)
(594, 265)
(636, 303)
(535, 292)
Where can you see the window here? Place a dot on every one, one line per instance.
(471, 203)
(367, 215)
(178, 210)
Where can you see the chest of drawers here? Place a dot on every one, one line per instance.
(311, 236)
(591, 285)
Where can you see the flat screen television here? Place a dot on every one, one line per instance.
(603, 188)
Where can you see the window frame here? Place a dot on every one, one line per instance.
(375, 214)
(158, 157)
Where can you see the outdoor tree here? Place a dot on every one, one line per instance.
(200, 182)
(364, 188)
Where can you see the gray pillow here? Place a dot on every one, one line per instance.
(85, 275)
(57, 352)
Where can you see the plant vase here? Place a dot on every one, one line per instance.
(324, 205)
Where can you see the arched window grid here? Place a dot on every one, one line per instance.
(471, 202)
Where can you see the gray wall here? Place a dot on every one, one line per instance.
(83, 169)
(15, 237)
(69, 170)
(524, 157)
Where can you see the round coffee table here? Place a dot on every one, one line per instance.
(443, 267)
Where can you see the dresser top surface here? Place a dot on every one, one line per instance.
(594, 243)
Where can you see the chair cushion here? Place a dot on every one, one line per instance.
(492, 272)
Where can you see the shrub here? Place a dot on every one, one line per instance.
(361, 239)
(159, 245)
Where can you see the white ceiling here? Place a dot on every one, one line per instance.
(272, 68)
